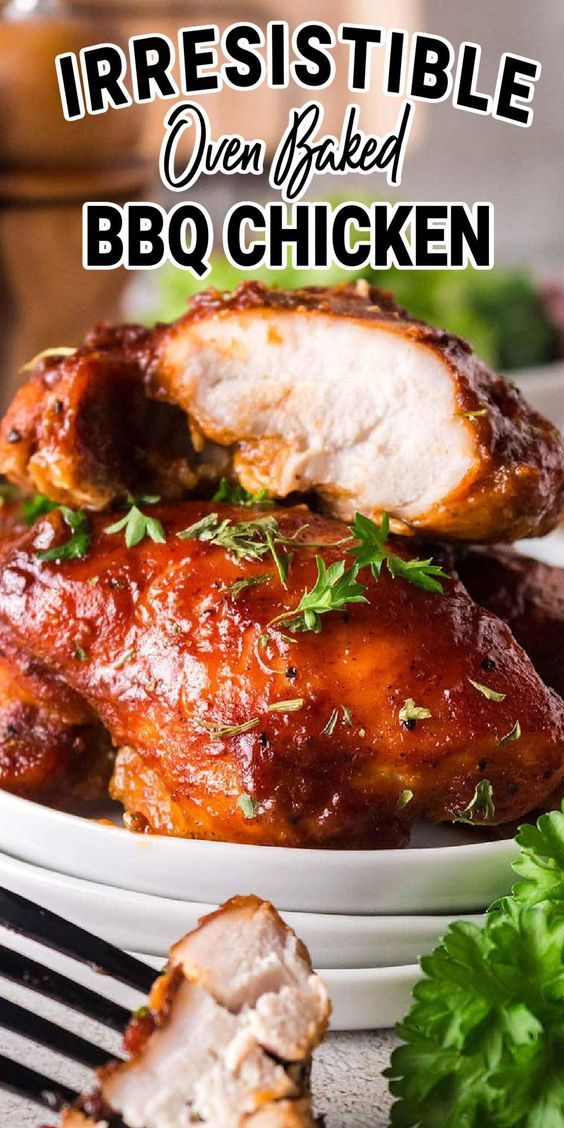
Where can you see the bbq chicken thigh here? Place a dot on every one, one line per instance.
(240, 715)
(333, 391)
(529, 596)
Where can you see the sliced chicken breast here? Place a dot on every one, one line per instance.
(339, 391)
(228, 1035)
(335, 391)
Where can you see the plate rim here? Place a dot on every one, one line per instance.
(505, 847)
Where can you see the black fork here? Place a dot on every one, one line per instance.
(27, 919)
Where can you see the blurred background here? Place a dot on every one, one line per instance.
(514, 315)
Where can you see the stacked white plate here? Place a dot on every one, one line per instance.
(366, 916)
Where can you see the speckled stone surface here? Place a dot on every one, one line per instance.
(347, 1080)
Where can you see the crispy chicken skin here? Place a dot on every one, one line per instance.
(228, 1035)
(334, 390)
(529, 597)
(174, 660)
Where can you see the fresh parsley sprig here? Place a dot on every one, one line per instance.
(36, 506)
(79, 541)
(245, 540)
(335, 587)
(137, 525)
(481, 805)
(484, 1039)
(372, 550)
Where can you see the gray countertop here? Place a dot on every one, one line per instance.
(347, 1079)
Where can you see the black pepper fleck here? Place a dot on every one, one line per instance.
(409, 723)
(58, 407)
(263, 740)
(14, 436)
(482, 765)
(487, 664)
(291, 672)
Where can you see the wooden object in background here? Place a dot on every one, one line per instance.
(48, 168)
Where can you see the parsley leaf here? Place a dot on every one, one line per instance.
(514, 734)
(236, 588)
(249, 806)
(335, 587)
(137, 525)
(405, 798)
(541, 861)
(220, 732)
(78, 543)
(484, 1039)
(36, 506)
(491, 694)
(412, 712)
(238, 495)
(371, 550)
(481, 804)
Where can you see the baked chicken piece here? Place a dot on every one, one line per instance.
(52, 747)
(233, 723)
(529, 597)
(228, 1034)
(82, 431)
(335, 391)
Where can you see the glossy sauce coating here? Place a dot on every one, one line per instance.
(171, 654)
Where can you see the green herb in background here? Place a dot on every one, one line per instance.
(484, 1039)
(236, 494)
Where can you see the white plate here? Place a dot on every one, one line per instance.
(362, 998)
(432, 879)
(152, 924)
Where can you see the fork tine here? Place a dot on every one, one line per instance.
(25, 1082)
(46, 1033)
(22, 916)
(17, 968)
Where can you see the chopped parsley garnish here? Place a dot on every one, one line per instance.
(405, 798)
(292, 706)
(483, 1043)
(36, 506)
(137, 525)
(238, 495)
(245, 540)
(412, 712)
(249, 806)
(474, 414)
(219, 732)
(46, 354)
(235, 589)
(491, 694)
(80, 653)
(79, 541)
(514, 734)
(331, 725)
(481, 805)
(347, 716)
(125, 658)
(335, 587)
(371, 550)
